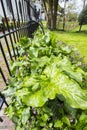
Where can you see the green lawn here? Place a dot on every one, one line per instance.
(74, 38)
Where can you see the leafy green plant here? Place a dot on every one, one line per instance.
(46, 90)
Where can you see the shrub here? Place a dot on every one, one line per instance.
(46, 90)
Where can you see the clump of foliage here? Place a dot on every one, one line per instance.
(82, 19)
(48, 88)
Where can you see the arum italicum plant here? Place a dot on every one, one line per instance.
(46, 90)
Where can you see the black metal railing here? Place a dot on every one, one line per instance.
(21, 23)
(11, 32)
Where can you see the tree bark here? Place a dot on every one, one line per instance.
(84, 2)
(64, 15)
(80, 27)
(55, 13)
(51, 13)
(45, 8)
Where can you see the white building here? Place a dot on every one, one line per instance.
(7, 7)
(22, 7)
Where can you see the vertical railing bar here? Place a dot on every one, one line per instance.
(22, 19)
(12, 33)
(21, 12)
(29, 7)
(28, 13)
(6, 42)
(14, 38)
(18, 17)
(3, 76)
(5, 58)
(14, 19)
(28, 17)
(24, 12)
(13, 27)
(26, 30)
(24, 16)
(8, 28)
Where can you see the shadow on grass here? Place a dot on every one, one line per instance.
(82, 32)
(71, 32)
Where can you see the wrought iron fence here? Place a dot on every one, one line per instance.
(10, 33)
(21, 23)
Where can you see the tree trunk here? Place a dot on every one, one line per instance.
(80, 27)
(49, 20)
(45, 8)
(51, 10)
(64, 21)
(51, 13)
(55, 13)
(84, 2)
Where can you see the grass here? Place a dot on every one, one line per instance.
(75, 38)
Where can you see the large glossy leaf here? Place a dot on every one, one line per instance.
(55, 82)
